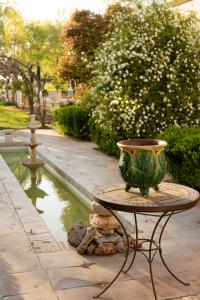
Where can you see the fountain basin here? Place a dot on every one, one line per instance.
(33, 146)
(33, 165)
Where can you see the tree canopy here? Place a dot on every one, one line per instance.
(81, 35)
(35, 43)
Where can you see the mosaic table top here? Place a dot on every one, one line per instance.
(170, 197)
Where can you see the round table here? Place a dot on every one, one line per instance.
(169, 200)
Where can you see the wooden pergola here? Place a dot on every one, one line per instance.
(173, 3)
(11, 67)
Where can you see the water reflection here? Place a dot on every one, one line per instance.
(34, 193)
(58, 206)
(14, 162)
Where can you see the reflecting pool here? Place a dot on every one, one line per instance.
(58, 207)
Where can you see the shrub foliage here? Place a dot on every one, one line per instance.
(7, 103)
(146, 73)
(72, 120)
(183, 154)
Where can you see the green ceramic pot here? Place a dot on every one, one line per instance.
(142, 163)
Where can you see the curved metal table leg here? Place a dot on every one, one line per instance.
(126, 256)
(150, 254)
(136, 244)
(160, 252)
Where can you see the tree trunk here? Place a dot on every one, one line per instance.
(31, 106)
(38, 98)
(7, 91)
(43, 118)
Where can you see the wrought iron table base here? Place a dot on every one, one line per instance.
(149, 253)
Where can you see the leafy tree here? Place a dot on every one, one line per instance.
(43, 45)
(81, 36)
(12, 31)
(36, 45)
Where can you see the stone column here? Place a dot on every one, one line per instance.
(9, 136)
(102, 220)
(105, 224)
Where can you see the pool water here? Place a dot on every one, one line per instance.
(58, 207)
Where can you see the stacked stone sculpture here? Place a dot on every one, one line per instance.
(104, 237)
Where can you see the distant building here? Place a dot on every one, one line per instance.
(186, 5)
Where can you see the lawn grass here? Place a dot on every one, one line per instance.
(12, 117)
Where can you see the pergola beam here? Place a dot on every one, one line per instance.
(10, 66)
(173, 3)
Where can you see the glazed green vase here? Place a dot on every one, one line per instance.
(142, 164)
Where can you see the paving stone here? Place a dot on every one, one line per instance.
(21, 283)
(14, 260)
(84, 293)
(61, 259)
(179, 263)
(46, 246)
(190, 244)
(2, 187)
(102, 274)
(20, 198)
(65, 278)
(5, 200)
(33, 296)
(7, 209)
(168, 287)
(172, 246)
(9, 215)
(140, 268)
(193, 277)
(109, 262)
(35, 227)
(11, 184)
(189, 298)
(142, 289)
(27, 214)
(129, 290)
(10, 224)
(71, 277)
(15, 240)
(42, 237)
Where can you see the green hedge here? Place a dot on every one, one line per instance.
(9, 103)
(183, 154)
(105, 141)
(72, 120)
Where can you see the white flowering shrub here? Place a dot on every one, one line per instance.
(146, 74)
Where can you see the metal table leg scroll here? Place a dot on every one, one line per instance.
(172, 199)
(126, 256)
(148, 252)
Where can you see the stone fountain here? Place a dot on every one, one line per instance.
(33, 163)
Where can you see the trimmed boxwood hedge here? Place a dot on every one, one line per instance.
(106, 142)
(72, 120)
(183, 154)
(7, 103)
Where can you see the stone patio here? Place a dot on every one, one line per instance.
(34, 266)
